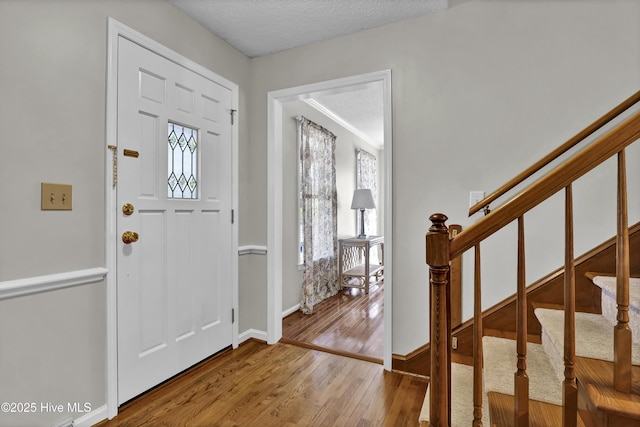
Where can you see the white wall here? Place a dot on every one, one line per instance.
(479, 92)
(52, 116)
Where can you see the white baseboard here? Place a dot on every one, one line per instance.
(290, 310)
(252, 333)
(91, 418)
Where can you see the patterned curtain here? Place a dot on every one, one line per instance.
(367, 177)
(319, 213)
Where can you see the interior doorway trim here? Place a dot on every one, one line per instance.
(114, 31)
(275, 100)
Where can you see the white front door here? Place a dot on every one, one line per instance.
(174, 219)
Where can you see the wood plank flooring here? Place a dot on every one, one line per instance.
(349, 323)
(279, 385)
(540, 414)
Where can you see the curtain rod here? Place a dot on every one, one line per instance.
(302, 118)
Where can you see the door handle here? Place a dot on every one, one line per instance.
(129, 237)
(128, 209)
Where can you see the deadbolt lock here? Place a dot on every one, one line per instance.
(129, 237)
(128, 209)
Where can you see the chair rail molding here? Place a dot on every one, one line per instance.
(50, 282)
(252, 250)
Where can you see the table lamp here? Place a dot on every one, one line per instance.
(362, 199)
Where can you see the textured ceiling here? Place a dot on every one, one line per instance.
(360, 110)
(261, 27)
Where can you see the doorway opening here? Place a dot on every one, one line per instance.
(280, 250)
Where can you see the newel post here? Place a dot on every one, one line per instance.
(437, 255)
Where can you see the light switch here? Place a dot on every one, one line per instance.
(56, 197)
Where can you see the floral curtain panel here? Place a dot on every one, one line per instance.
(367, 177)
(319, 211)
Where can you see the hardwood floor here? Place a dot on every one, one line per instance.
(350, 323)
(540, 414)
(279, 385)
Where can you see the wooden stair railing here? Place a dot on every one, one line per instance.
(577, 139)
(569, 385)
(477, 341)
(438, 258)
(520, 377)
(441, 249)
(622, 332)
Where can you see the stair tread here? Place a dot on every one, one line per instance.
(595, 381)
(608, 286)
(594, 335)
(609, 304)
(541, 414)
(461, 398)
(500, 361)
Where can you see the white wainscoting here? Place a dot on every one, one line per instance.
(50, 282)
(252, 333)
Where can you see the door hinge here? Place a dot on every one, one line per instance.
(233, 315)
(233, 113)
(233, 216)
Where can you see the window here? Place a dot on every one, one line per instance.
(182, 162)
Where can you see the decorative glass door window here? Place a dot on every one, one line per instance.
(182, 162)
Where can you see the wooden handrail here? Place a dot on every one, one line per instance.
(598, 152)
(581, 136)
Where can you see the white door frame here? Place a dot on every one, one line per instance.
(274, 197)
(115, 30)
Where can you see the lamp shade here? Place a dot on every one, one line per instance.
(363, 199)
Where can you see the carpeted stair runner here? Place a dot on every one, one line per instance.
(609, 306)
(461, 398)
(500, 363)
(545, 363)
(594, 337)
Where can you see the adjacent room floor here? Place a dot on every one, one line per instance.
(350, 323)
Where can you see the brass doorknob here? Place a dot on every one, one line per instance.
(129, 237)
(128, 209)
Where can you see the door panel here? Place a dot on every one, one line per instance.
(148, 164)
(174, 283)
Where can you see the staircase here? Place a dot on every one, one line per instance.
(545, 367)
(585, 369)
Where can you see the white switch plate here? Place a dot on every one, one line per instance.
(475, 197)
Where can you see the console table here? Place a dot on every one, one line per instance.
(354, 263)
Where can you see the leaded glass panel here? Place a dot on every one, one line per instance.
(182, 162)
